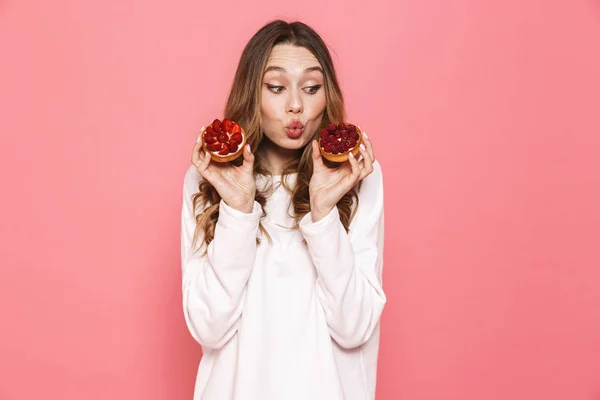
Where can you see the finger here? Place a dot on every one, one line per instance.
(367, 162)
(248, 163)
(354, 176)
(196, 153)
(202, 166)
(199, 138)
(316, 156)
(197, 148)
(369, 146)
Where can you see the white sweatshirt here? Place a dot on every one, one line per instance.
(286, 320)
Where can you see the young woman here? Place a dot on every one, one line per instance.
(282, 250)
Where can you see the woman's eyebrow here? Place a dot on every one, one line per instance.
(280, 69)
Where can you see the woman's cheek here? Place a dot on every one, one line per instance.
(270, 103)
(318, 105)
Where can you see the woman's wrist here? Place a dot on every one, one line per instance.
(318, 213)
(245, 207)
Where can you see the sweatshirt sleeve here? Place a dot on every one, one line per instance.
(349, 265)
(214, 285)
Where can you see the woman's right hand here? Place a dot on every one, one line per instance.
(235, 185)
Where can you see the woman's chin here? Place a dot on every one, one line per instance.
(295, 144)
(290, 144)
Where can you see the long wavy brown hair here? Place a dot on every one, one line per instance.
(243, 106)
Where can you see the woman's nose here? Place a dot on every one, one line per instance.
(294, 102)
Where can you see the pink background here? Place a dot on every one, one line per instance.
(485, 117)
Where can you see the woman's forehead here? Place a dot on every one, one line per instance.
(288, 58)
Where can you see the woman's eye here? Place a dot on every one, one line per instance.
(279, 89)
(313, 89)
(275, 89)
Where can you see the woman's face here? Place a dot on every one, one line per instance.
(292, 96)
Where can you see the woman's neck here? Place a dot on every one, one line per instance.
(277, 157)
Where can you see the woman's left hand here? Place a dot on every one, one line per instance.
(328, 185)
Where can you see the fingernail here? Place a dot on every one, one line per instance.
(365, 134)
(198, 139)
(362, 147)
(350, 155)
